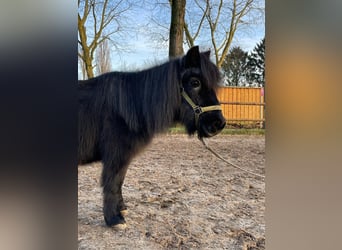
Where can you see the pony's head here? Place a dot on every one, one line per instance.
(200, 109)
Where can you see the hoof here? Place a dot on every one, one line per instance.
(116, 220)
(124, 212)
(120, 226)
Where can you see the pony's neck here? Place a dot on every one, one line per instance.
(162, 97)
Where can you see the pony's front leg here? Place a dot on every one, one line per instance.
(113, 204)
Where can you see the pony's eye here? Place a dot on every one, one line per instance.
(195, 83)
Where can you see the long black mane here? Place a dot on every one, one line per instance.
(145, 100)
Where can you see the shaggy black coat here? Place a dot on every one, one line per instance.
(120, 112)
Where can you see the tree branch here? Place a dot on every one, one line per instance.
(202, 19)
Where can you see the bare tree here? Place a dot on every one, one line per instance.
(212, 23)
(221, 19)
(190, 38)
(97, 16)
(103, 59)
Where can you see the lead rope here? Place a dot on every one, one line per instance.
(228, 162)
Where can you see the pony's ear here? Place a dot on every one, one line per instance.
(192, 58)
(207, 54)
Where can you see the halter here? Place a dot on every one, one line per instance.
(198, 110)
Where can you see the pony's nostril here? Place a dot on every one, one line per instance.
(219, 124)
(216, 126)
(223, 124)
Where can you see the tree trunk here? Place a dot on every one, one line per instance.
(86, 56)
(89, 67)
(177, 28)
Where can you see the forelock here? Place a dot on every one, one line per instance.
(210, 72)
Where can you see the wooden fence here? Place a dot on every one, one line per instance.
(243, 106)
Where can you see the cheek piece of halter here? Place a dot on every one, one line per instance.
(198, 110)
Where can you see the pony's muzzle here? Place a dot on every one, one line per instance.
(211, 125)
(216, 127)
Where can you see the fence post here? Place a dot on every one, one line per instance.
(262, 107)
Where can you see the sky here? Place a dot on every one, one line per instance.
(144, 51)
(143, 43)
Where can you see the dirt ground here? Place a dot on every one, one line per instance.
(180, 196)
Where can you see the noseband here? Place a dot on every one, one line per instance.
(198, 110)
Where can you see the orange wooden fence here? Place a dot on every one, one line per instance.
(242, 105)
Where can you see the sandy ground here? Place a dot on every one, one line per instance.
(180, 196)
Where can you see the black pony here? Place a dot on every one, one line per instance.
(120, 112)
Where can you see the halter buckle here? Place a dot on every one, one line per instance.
(197, 110)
